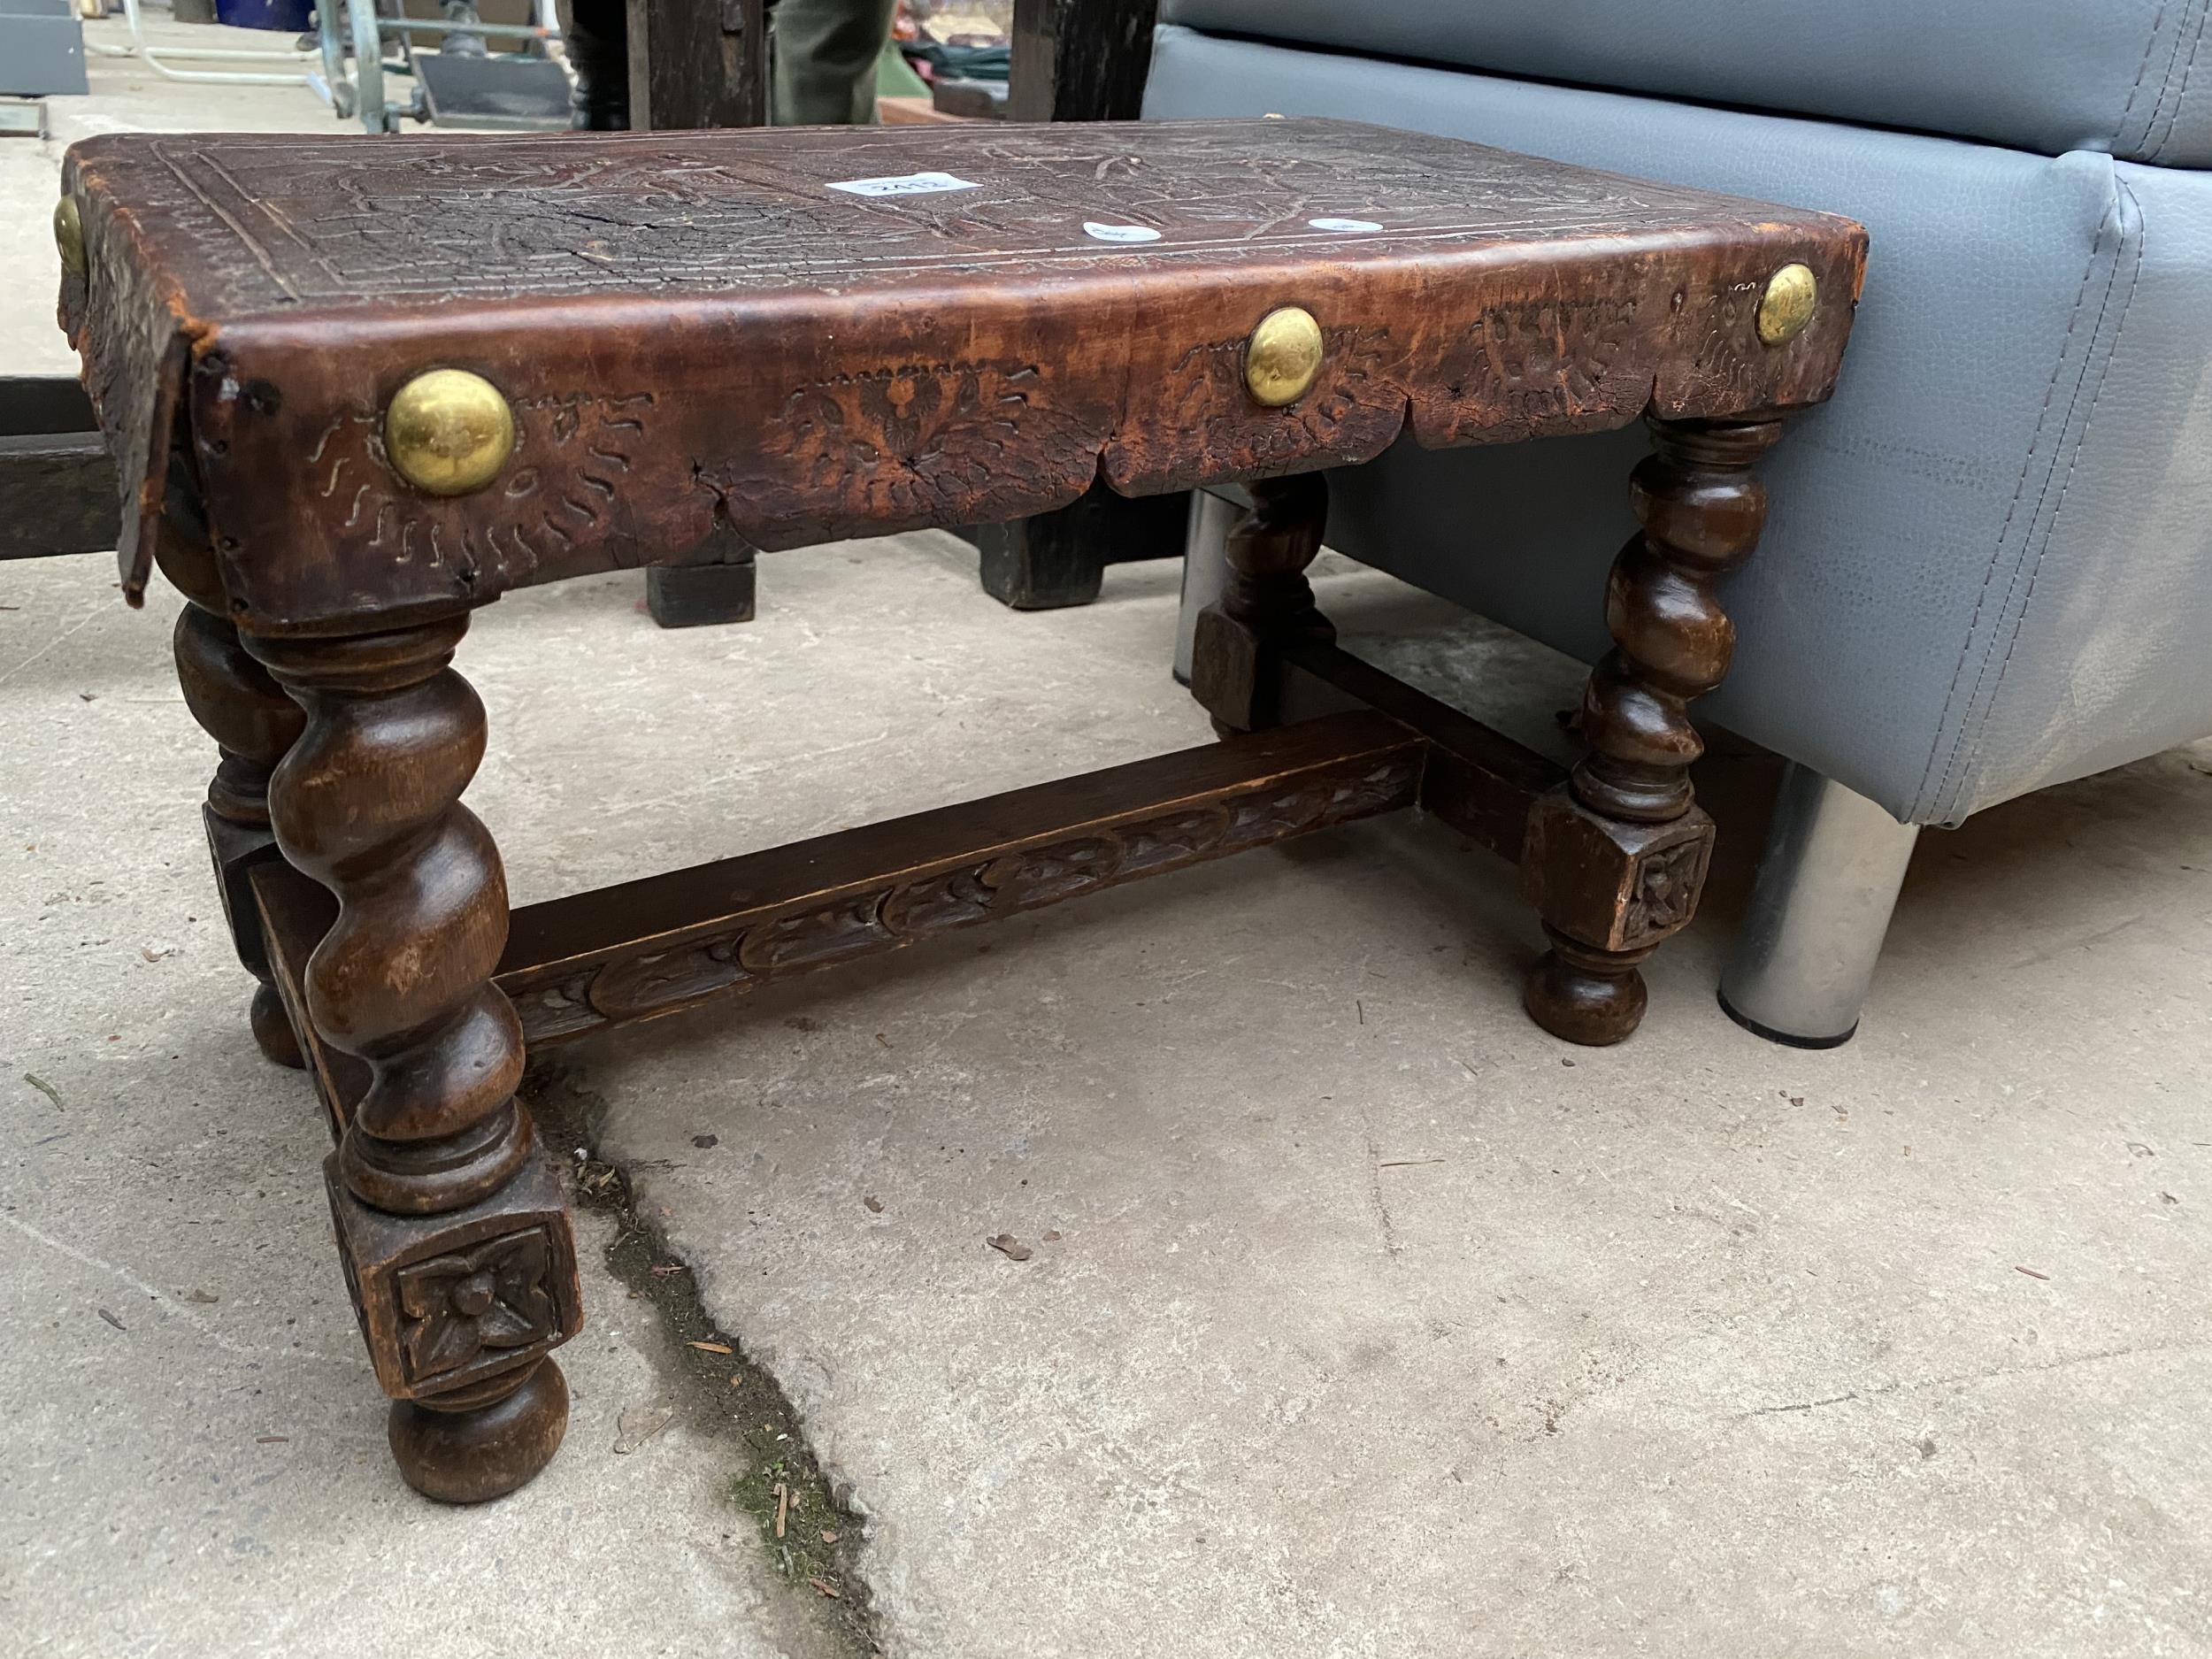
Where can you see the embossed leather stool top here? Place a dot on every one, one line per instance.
(819, 333)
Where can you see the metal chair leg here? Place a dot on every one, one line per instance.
(1821, 903)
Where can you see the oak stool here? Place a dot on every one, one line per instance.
(356, 388)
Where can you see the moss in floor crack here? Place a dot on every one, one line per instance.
(809, 1540)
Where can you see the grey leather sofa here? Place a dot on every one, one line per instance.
(1989, 566)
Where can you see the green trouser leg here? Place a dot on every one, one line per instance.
(825, 53)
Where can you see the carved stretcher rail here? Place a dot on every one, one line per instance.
(646, 949)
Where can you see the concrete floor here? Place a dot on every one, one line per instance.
(1379, 1324)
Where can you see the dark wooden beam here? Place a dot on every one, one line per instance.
(698, 63)
(664, 65)
(1079, 60)
(56, 480)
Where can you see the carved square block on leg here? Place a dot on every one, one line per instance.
(1609, 883)
(446, 1301)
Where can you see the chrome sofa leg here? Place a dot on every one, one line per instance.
(1205, 568)
(1827, 883)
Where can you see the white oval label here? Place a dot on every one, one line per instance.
(1344, 224)
(1120, 233)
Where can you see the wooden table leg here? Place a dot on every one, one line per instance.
(714, 585)
(1236, 663)
(253, 724)
(1615, 856)
(452, 1226)
(1055, 559)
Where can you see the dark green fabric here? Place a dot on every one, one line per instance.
(966, 63)
(825, 60)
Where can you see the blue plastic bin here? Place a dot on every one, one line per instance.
(292, 17)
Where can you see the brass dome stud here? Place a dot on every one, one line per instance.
(448, 432)
(69, 235)
(1793, 294)
(1282, 358)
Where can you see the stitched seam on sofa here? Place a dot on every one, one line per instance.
(1974, 715)
(2181, 97)
(1975, 718)
(2166, 77)
(2081, 442)
(2119, 132)
(1921, 803)
(2119, 328)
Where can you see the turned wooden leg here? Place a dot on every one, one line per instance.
(253, 724)
(450, 1223)
(1616, 857)
(1235, 667)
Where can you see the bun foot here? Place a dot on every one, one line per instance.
(1592, 997)
(273, 1029)
(482, 1443)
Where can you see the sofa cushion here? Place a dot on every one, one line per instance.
(2130, 77)
(1989, 563)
